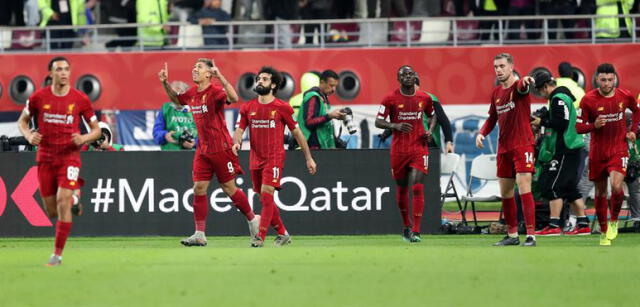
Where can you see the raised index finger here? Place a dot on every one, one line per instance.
(165, 66)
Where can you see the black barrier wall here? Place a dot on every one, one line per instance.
(149, 193)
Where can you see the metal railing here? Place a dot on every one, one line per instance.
(332, 33)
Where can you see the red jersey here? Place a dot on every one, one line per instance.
(207, 107)
(57, 118)
(511, 109)
(407, 109)
(610, 139)
(266, 130)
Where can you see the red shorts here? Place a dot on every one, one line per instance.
(269, 175)
(400, 164)
(518, 160)
(64, 174)
(223, 164)
(599, 170)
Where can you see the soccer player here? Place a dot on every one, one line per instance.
(409, 151)
(602, 114)
(511, 108)
(213, 154)
(266, 118)
(57, 110)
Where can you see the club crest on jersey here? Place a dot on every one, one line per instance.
(71, 106)
(401, 106)
(420, 104)
(252, 114)
(47, 106)
(601, 109)
(497, 100)
(273, 114)
(621, 105)
(204, 99)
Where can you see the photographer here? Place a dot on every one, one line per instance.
(174, 128)
(104, 142)
(315, 115)
(559, 154)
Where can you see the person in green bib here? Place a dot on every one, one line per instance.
(315, 115)
(174, 128)
(442, 123)
(560, 154)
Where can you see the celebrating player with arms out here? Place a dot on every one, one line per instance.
(511, 108)
(409, 150)
(602, 114)
(57, 110)
(266, 118)
(213, 154)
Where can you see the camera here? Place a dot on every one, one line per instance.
(348, 120)
(186, 136)
(12, 143)
(541, 113)
(103, 138)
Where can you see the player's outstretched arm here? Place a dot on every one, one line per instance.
(311, 164)
(33, 137)
(163, 75)
(237, 140)
(232, 96)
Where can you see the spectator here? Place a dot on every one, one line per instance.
(315, 117)
(482, 8)
(399, 8)
(613, 27)
(152, 12)
(182, 9)
(62, 13)
(565, 71)
(211, 13)
(283, 10)
(522, 8)
(318, 9)
(560, 7)
(633, 184)
(174, 128)
(121, 12)
(12, 13)
(33, 13)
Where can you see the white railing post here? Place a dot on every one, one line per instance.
(454, 31)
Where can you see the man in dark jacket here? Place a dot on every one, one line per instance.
(560, 153)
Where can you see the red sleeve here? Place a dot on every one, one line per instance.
(521, 89)
(428, 108)
(490, 123)
(385, 108)
(286, 111)
(242, 121)
(32, 105)
(218, 96)
(583, 122)
(87, 111)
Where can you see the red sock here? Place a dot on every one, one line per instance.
(62, 232)
(276, 221)
(529, 212)
(601, 212)
(200, 210)
(510, 214)
(616, 204)
(402, 197)
(418, 205)
(242, 203)
(267, 213)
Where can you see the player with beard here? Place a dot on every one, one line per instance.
(213, 154)
(511, 108)
(266, 117)
(602, 114)
(57, 110)
(409, 150)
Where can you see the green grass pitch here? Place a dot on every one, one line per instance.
(322, 271)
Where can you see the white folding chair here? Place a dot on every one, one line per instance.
(190, 36)
(448, 166)
(483, 168)
(435, 31)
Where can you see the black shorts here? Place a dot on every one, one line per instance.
(559, 177)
